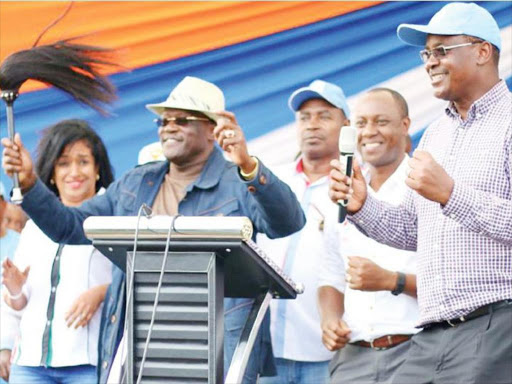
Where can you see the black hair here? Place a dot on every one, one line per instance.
(397, 97)
(54, 141)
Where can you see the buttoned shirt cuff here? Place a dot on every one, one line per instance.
(253, 173)
(367, 215)
(463, 206)
(7, 343)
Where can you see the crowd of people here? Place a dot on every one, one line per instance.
(415, 286)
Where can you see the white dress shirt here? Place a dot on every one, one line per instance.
(81, 267)
(371, 315)
(295, 324)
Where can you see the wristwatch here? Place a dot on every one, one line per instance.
(400, 284)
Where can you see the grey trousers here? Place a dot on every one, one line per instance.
(360, 365)
(478, 351)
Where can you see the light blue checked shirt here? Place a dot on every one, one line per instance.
(464, 248)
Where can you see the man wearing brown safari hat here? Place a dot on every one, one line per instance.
(195, 180)
(458, 211)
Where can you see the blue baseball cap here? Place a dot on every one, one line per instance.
(319, 89)
(454, 19)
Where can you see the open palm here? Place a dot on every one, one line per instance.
(12, 277)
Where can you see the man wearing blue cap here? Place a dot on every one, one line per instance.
(458, 212)
(320, 110)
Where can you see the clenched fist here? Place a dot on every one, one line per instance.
(364, 275)
(428, 178)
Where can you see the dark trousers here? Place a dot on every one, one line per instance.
(478, 351)
(354, 364)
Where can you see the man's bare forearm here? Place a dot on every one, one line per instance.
(330, 303)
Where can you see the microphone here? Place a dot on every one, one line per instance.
(348, 140)
(147, 210)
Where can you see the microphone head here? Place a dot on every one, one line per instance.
(348, 139)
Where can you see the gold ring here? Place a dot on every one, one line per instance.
(229, 133)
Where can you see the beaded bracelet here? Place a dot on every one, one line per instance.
(14, 297)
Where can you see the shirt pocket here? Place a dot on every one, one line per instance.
(229, 207)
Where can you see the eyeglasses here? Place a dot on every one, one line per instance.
(181, 121)
(440, 51)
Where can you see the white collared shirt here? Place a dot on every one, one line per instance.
(371, 315)
(81, 268)
(295, 324)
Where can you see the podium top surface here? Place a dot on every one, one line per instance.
(155, 227)
(248, 270)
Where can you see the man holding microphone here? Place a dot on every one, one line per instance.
(458, 211)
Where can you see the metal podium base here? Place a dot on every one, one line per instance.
(186, 343)
(243, 349)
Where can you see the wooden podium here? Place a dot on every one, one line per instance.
(206, 259)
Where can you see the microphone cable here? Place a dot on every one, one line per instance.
(131, 273)
(172, 229)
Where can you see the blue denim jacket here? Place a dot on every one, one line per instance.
(219, 190)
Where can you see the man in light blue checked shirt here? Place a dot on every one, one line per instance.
(457, 214)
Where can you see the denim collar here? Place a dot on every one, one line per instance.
(212, 171)
(208, 178)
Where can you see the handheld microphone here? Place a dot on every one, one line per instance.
(348, 140)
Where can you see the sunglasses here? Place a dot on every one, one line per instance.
(181, 121)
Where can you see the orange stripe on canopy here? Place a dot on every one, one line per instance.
(147, 33)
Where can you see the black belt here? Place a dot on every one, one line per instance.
(485, 310)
